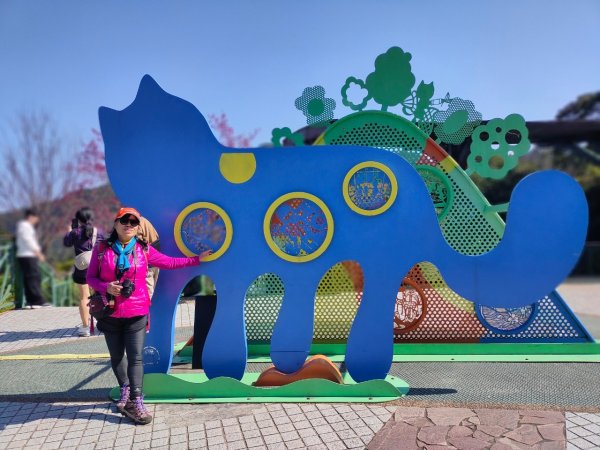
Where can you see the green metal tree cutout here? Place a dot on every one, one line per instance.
(497, 147)
(279, 134)
(315, 106)
(392, 81)
(457, 122)
(360, 84)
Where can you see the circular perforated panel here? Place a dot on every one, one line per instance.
(298, 227)
(411, 307)
(369, 188)
(505, 320)
(203, 226)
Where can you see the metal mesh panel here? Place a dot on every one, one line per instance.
(427, 310)
(337, 301)
(382, 136)
(262, 303)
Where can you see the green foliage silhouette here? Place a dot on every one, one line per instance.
(392, 81)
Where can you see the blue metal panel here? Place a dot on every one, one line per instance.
(161, 157)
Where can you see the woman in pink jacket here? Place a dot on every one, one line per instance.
(118, 268)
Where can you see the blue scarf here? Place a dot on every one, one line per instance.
(123, 253)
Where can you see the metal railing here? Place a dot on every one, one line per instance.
(57, 289)
(7, 294)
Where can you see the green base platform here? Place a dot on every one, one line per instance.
(473, 352)
(197, 388)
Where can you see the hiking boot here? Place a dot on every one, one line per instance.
(83, 331)
(124, 398)
(136, 411)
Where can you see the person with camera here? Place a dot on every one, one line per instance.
(82, 236)
(118, 269)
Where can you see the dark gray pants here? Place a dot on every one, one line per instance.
(32, 279)
(126, 337)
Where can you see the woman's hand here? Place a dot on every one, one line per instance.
(202, 256)
(114, 288)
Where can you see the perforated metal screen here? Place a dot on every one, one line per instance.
(468, 228)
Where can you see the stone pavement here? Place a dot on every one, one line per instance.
(397, 425)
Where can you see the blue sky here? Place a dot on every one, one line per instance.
(251, 59)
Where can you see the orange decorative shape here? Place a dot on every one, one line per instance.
(317, 366)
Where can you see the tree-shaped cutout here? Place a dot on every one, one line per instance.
(497, 146)
(315, 106)
(392, 81)
(457, 122)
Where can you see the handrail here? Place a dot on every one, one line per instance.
(58, 289)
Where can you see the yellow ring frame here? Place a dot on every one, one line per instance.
(267, 227)
(205, 205)
(375, 165)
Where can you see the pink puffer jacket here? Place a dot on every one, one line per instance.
(101, 272)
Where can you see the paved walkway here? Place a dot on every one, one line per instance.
(34, 423)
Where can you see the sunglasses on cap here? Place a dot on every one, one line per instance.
(129, 220)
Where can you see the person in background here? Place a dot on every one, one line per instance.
(118, 268)
(29, 254)
(82, 236)
(148, 233)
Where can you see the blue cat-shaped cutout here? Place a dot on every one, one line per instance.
(161, 157)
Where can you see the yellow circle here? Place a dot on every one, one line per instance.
(375, 165)
(203, 205)
(267, 227)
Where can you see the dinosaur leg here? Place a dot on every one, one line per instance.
(225, 350)
(292, 335)
(371, 340)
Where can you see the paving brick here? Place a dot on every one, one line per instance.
(579, 420)
(272, 439)
(236, 445)
(580, 431)
(197, 444)
(212, 432)
(268, 431)
(265, 423)
(215, 440)
(229, 422)
(286, 427)
(306, 432)
(232, 429)
(353, 443)
(335, 445)
(582, 443)
(594, 439)
(251, 434)
(231, 437)
(159, 442)
(312, 440)
(248, 426)
(290, 435)
(178, 439)
(276, 446)
(281, 420)
(295, 444)
(212, 424)
(254, 442)
(302, 425)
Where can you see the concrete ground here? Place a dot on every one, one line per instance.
(62, 402)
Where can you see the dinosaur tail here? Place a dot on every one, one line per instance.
(544, 236)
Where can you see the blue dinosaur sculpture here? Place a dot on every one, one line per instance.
(161, 157)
